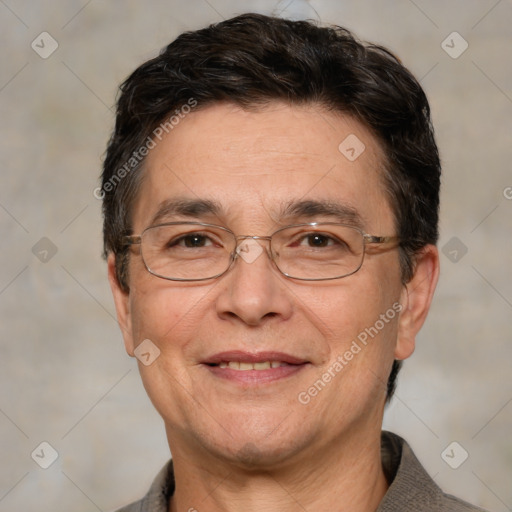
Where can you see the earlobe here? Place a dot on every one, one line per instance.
(416, 299)
(122, 304)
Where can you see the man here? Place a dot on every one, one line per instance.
(271, 194)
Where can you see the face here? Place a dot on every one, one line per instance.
(328, 379)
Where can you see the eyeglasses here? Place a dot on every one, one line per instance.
(196, 251)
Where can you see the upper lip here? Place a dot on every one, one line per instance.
(252, 357)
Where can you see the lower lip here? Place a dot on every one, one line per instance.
(256, 376)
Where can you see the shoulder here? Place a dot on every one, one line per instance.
(134, 507)
(157, 498)
(411, 488)
(452, 504)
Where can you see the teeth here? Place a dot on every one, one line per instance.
(263, 365)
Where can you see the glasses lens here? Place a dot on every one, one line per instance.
(323, 251)
(194, 252)
(187, 251)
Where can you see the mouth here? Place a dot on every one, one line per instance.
(254, 368)
(241, 366)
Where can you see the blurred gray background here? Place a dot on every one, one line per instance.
(64, 376)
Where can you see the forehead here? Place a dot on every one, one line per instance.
(255, 165)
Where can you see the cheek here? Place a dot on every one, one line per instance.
(169, 318)
(359, 321)
(166, 315)
(353, 305)
(161, 309)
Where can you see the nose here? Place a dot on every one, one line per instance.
(253, 291)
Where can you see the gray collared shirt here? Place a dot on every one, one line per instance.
(411, 488)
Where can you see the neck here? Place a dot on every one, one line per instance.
(347, 475)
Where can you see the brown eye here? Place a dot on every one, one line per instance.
(194, 241)
(318, 240)
(190, 241)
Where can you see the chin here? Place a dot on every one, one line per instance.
(252, 457)
(260, 449)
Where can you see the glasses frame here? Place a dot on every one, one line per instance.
(129, 240)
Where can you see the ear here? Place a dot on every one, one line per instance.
(416, 298)
(122, 303)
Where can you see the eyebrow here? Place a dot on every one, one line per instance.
(183, 207)
(308, 209)
(293, 211)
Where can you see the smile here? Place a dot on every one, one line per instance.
(248, 368)
(264, 365)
